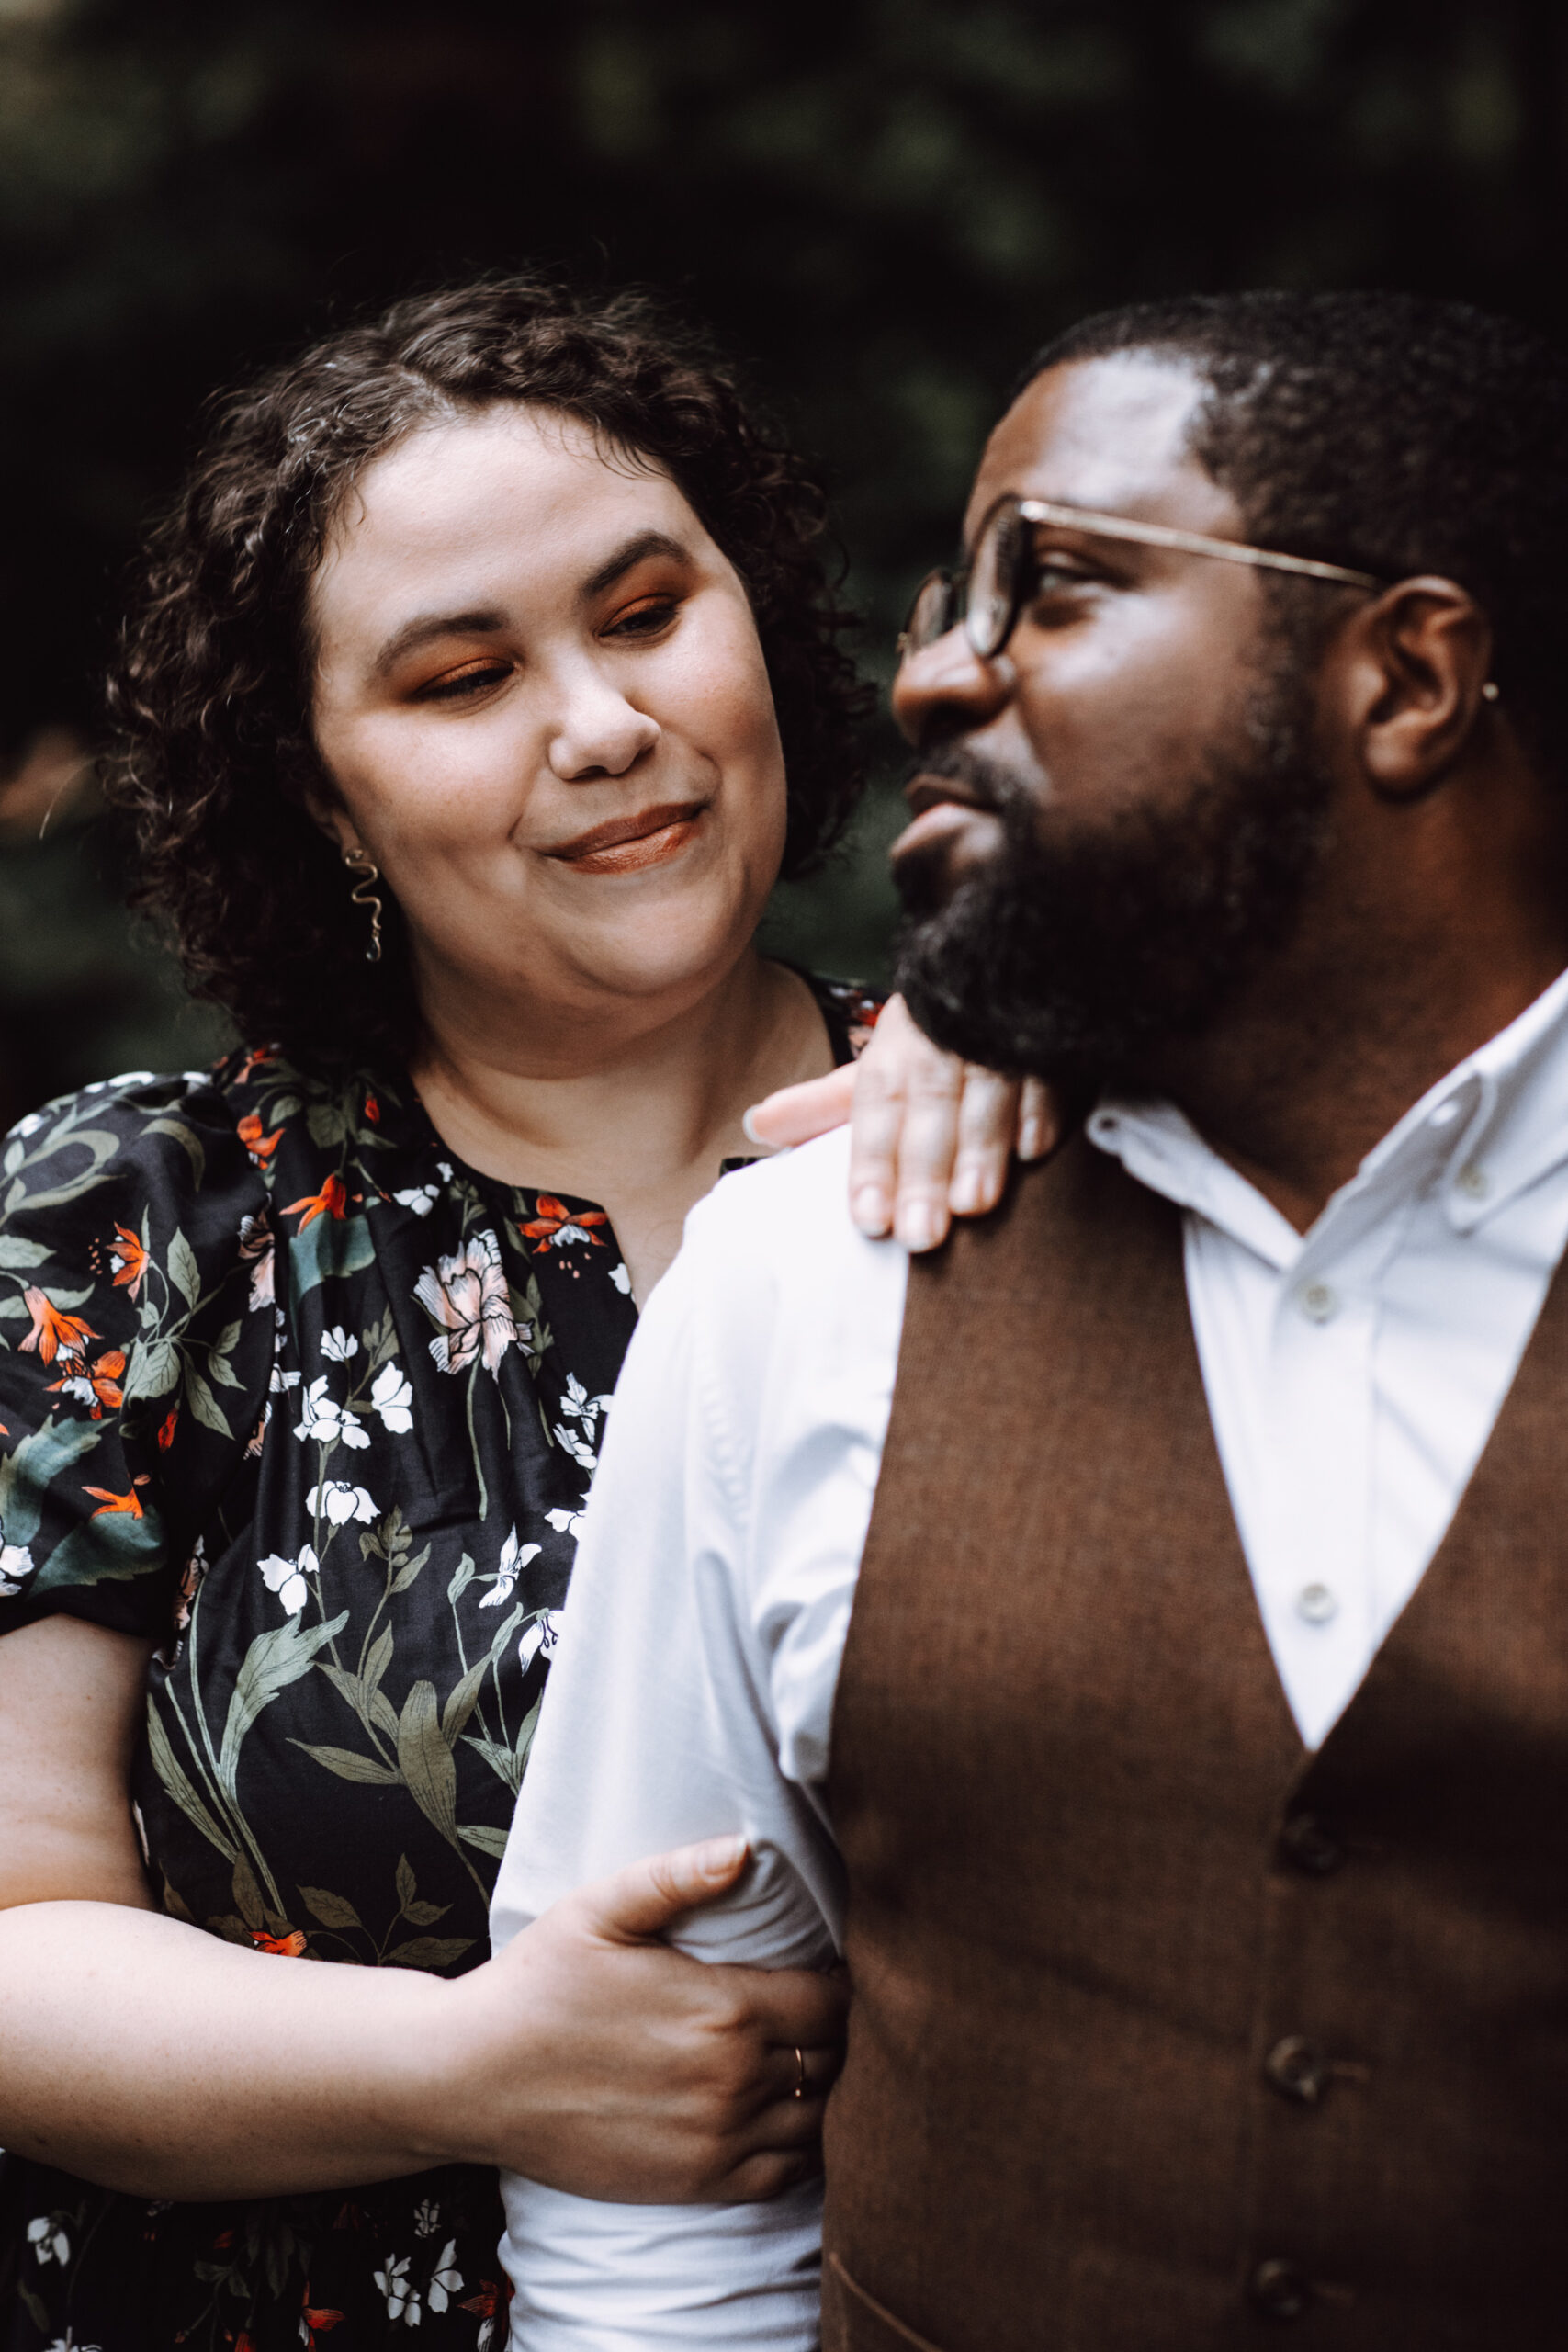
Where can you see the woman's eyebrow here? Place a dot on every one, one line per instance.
(632, 551)
(425, 626)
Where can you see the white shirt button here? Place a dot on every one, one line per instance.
(1473, 1182)
(1319, 1302)
(1316, 1604)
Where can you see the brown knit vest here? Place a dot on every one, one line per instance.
(1166, 2033)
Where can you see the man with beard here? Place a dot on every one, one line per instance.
(1160, 1689)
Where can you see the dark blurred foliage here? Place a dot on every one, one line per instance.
(885, 204)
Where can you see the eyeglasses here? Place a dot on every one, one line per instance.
(988, 593)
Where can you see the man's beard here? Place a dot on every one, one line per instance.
(1077, 957)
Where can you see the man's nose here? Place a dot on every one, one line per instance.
(945, 689)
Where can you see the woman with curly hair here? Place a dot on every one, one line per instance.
(480, 685)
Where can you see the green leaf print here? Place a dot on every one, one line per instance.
(489, 1840)
(154, 1368)
(172, 1774)
(183, 1272)
(17, 1251)
(427, 1760)
(429, 1951)
(348, 1766)
(30, 1469)
(332, 1910)
(204, 1404)
(273, 1661)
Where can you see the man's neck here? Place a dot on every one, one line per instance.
(1310, 1073)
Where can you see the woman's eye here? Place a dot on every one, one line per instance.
(649, 617)
(457, 683)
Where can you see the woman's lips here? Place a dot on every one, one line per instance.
(624, 845)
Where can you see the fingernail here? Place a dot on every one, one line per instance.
(1031, 1141)
(870, 1210)
(748, 1131)
(968, 1191)
(717, 1857)
(918, 1226)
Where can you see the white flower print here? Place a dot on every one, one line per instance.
(445, 2279)
(566, 1522)
(15, 1565)
(465, 1296)
(327, 1419)
(337, 1500)
(426, 2218)
(541, 1639)
(81, 1389)
(402, 2301)
(287, 1578)
(391, 1396)
(582, 1452)
(514, 1559)
(622, 1281)
(48, 2239)
(256, 1244)
(578, 1405)
(30, 1125)
(336, 1345)
(420, 1198)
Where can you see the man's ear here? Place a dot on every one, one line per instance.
(1418, 674)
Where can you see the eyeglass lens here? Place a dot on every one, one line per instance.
(985, 596)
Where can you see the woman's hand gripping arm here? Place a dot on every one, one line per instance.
(145, 2055)
(931, 1136)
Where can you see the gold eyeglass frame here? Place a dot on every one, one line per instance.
(1122, 527)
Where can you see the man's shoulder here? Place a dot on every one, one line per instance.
(777, 1238)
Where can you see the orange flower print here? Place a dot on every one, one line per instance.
(489, 2304)
(330, 1201)
(290, 1944)
(372, 1110)
(555, 1227)
(96, 1385)
(256, 1059)
(53, 1334)
(260, 1146)
(110, 1502)
(129, 1260)
(466, 1298)
(167, 1429)
(316, 2323)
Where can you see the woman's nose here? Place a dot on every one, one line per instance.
(945, 689)
(599, 732)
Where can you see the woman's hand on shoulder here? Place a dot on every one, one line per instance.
(607, 2064)
(931, 1135)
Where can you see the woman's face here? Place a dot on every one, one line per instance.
(541, 698)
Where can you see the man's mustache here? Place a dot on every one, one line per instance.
(979, 782)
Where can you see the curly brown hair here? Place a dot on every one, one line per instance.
(210, 694)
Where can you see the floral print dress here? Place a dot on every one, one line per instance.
(286, 1392)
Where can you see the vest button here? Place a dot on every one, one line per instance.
(1310, 1845)
(1298, 2069)
(1281, 2289)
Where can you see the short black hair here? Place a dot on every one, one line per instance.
(214, 753)
(1393, 433)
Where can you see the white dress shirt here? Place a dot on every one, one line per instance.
(1353, 1376)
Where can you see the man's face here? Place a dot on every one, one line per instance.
(1116, 819)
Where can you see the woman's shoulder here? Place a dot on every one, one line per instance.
(851, 1010)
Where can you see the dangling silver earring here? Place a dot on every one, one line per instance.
(359, 861)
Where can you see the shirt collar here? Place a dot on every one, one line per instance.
(1495, 1124)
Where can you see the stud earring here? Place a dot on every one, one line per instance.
(360, 862)
(1491, 691)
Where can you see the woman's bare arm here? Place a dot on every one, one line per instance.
(143, 2053)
